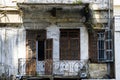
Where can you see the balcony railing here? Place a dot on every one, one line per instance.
(56, 68)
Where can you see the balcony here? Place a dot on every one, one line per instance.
(64, 68)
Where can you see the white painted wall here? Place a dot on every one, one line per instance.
(117, 46)
(84, 43)
(1, 51)
(54, 33)
(12, 47)
(22, 48)
(116, 13)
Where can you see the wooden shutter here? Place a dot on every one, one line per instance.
(70, 44)
(31, 55)
(31, 37)
(74, 45)
(49, 49)
(49, 56)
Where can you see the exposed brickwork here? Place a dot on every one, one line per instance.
(93, 47)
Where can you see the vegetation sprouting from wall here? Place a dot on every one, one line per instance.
(87, 13)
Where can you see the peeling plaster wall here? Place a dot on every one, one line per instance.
(53, 32)
(12, 47)
(117, 48)
(84, 43)
(116, 13)
(97, 71)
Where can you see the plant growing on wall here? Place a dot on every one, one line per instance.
(87, 13)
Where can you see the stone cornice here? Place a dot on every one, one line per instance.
(48, 6)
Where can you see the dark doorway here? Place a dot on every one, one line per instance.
(41, 51)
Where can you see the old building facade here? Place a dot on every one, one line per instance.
(57, 39)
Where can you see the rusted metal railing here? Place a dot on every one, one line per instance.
(56, 68)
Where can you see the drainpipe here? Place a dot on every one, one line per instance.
(109, 2)
(108, 28)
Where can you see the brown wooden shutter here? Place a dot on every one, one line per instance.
(31, 36)
(49, 56)
(69, 44)
(31, 55)
(93, 56)
(49, 49)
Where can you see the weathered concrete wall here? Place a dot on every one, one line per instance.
(116, 10)
(12, 42)
(84, 43)
(54, 33)
(95, 5)
(97, 70)
(117, 44)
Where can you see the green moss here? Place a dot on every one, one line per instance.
(77, 2)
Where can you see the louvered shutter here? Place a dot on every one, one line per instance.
(48, 56)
